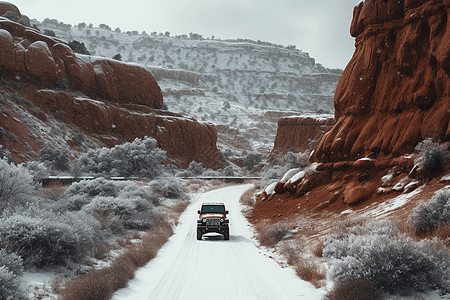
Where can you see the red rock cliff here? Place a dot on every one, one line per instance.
(297, 133)
(395, 91)
(108, 99)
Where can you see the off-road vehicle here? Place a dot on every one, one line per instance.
(213, 218)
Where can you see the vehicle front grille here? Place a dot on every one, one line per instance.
(212, 222)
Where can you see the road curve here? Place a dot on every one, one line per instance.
(215, 269)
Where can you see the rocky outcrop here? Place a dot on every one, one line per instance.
(184, 139)
(29, 56)
(8, 7)
(298, 134)
(395, 90)
(394, 93)
(106, 99)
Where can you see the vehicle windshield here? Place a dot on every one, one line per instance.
(213, 209)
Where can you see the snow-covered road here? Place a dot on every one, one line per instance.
(215, 269)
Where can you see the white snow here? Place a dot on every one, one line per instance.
(186, 268)
(297, 176)
(271, 188)
(289, 174)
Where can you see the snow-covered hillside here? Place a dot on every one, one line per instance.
(236, 84)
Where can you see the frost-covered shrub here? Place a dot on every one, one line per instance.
(426, 216)
(194, 169)
(12, 261)
(55, 159)
(16, 184)
(141, 158)
(87, 228)
(97, 187)
(71, 203)
(252, 160)
(167, 188)
(37, 170)
(390, 261)
(10, 285)
(432, 156)
(133, 213)
(40, 242)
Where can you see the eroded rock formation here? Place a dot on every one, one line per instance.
(298, 134)
(395, 90)
(394, 93)
(108, 99)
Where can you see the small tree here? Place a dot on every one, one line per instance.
(432, 156)
(55, 158)
(16, 184)
(117, 57)
(79, 47)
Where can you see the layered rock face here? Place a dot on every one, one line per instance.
(108, 99)
(395, 91)
(298, 134)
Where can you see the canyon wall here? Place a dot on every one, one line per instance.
(299, 134)
(110, 100)
(395, 90)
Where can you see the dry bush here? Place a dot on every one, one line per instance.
(270, 234)
(101, 284)
(317, 249)
(247, 198)
(359, 289)
(310, 271)
(291, 250)
(101, 250)
(177, 210)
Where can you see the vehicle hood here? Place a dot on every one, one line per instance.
(212, 216)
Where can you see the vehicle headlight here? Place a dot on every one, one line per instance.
(204, 220)
(221, 220)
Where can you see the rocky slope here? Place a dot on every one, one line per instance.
(107, 100)
(238, 85)
(393, 94)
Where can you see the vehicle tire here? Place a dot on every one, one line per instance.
(226, 235)
(199, 234)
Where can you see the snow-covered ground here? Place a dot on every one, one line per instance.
(236, 269)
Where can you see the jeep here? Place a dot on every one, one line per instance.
(213, 218)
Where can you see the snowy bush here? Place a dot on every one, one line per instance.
(37, 170)
(390, 261)
(55, 159)
(16, 184)
(426, 216)
(167, 188)
(132, 212)
(141, 158)
(10, 285)
(432, 156)
(97, 187)
(11, 261)
(40, 242)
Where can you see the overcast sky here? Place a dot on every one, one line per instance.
(319, 27)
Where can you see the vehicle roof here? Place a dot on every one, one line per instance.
(213, 203)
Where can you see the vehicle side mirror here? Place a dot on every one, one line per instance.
(227, 212)
(198, 211)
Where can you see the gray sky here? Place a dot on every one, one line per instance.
(319, 27)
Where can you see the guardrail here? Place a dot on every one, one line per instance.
(67, 180)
